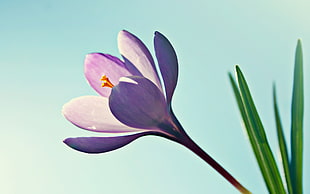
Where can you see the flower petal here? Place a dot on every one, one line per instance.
(137, 102)
(97, 64)
(135, 53)
(101, 144)
(93, 113)
(168, 63)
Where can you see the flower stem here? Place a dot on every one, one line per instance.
(190, 144)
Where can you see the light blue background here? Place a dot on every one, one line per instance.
(42, 48)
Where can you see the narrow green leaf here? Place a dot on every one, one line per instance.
(297, 122)
(253, 140)
(251, 134)
(257, 136)
(244, 116)
(282, 144)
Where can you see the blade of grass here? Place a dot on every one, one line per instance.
(282, 144)
(247, 126)
(266, 159)
(258, 138)
(253, 139)
(297, 122)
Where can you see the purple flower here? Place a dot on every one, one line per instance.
(132, 101)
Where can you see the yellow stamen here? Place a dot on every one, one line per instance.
(106, 82)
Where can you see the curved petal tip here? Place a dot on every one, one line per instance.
(168, 63)
(136, 54)
(96, 145)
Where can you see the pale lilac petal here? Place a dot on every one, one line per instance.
(168, 63)
(97, 64)
(97, 145)
(93, 113)
(135, 53)
(137, 102)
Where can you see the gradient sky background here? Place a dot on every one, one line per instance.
(42, 48)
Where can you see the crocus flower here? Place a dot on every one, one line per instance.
(132, 98)
(132, 101)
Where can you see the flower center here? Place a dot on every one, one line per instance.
(106, 82)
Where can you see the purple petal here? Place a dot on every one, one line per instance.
(168, 63)
(93, 113)
(135, 53)
(97, 145)
(137, 102)
(97, 65)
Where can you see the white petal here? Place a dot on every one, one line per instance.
(93, 113)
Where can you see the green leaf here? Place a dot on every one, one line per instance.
(282, 144)
(297, 122)
(257, 135)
